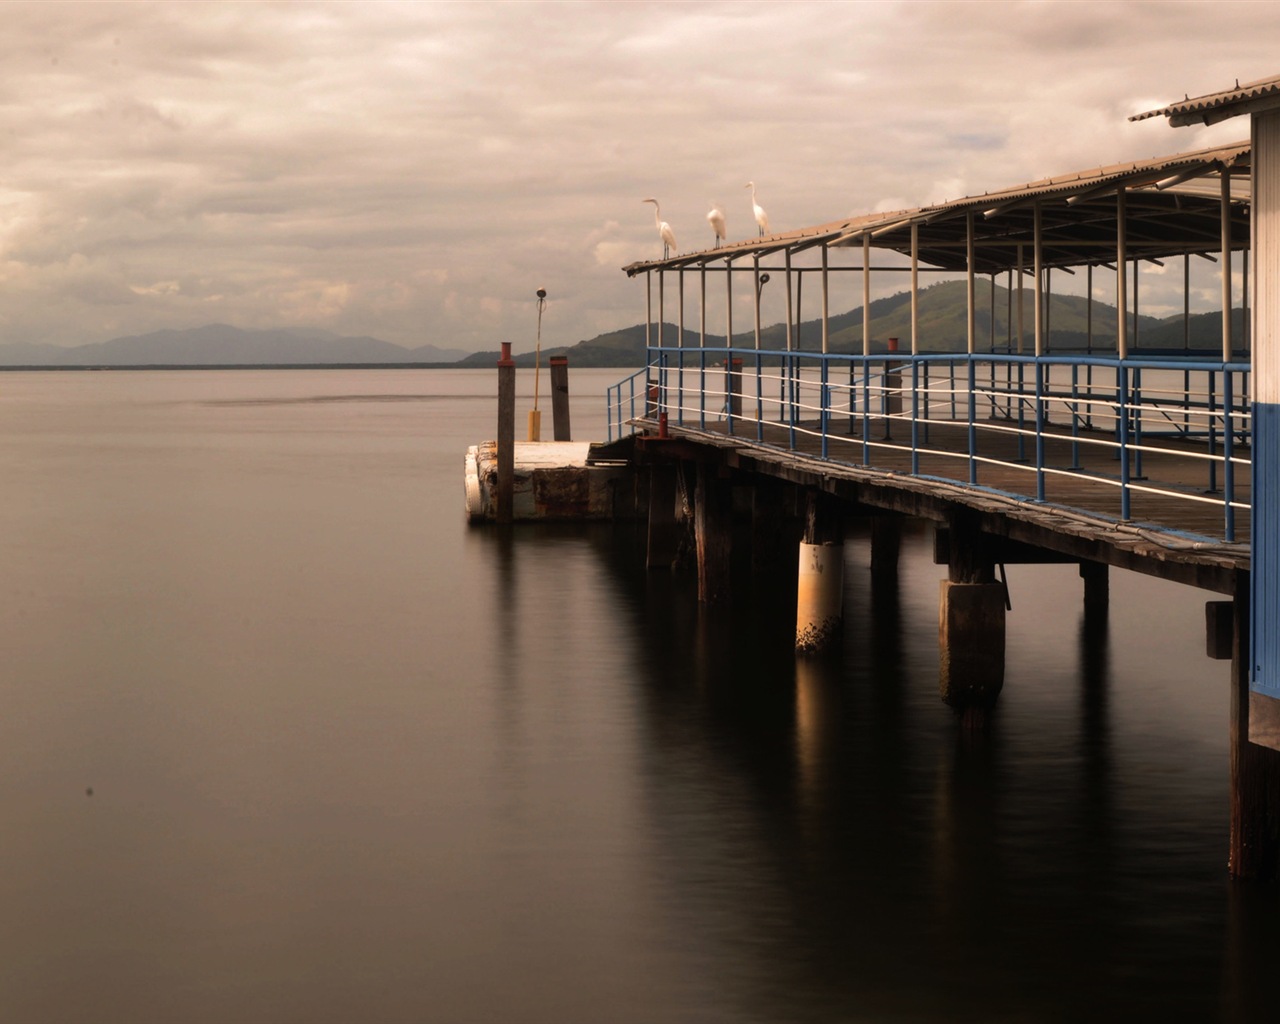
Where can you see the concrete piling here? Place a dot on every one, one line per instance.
(820, 577)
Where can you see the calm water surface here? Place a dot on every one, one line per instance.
(282, 740)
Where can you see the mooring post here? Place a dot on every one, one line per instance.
(713, 532)
(971, 623)
(506, 434)
(560, 398)
(664, 531)
(820, 578)
(1255, 770)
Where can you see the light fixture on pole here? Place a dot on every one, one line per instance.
(535, 417)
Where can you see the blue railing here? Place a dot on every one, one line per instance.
(1190, 415)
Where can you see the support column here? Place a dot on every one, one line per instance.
(886, 544)
(664, 532)
(713, 533)
(970, 623)
(1097, 589)
(773, 531)
(820, 581)
(1255, 770)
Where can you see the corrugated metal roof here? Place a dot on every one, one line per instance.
(1170, 187)
(1218, 106)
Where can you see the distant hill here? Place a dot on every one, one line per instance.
(943, 315)
(223, 345)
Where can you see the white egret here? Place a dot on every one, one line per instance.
(664, 229)
(716, 219)
(762, 218)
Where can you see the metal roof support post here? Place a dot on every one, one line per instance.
(1226, 267)
(728, 345)
(993, 310)
(755, 280)
(866, 295)
(648, 311)
(1137, 267)
(969, 257)
(728, 303)
(784, 414)
(915, 289)
(1186, 302)
(702, 347)
(757, 288)
(680, 355)
(662, 363)
(1122, 278)
(1244, 296)
(1037, 257)
(825, 301)
(1088, 309)
(1021, 305)
(973, 431)
(790, 312)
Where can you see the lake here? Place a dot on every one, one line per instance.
(284, 740)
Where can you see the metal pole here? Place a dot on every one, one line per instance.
(866, 295)
(1122, 278)
(1226, 267)
(825, 303)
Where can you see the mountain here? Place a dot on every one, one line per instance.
(943, 314)
(223, 345)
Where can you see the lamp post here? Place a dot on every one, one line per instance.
(535, 417)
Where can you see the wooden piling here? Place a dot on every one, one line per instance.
(506, 435)
(713, 533)
(971, 626)
(774, 526)
(664, 530)
(560, 398)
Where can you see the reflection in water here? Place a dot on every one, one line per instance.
(354, 761)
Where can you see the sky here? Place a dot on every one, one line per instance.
(415, 171)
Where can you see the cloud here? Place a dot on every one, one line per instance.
(412, 171)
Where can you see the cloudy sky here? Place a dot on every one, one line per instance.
(414, 171)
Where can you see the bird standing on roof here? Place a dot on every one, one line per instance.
(762, 218)
(716, 219)
(664, 229)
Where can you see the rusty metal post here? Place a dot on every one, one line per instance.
(506, 434)
(560, 397)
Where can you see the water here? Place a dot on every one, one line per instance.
(283, 740)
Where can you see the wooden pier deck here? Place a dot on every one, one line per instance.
(1171, 534)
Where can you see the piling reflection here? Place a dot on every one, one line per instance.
(823, 828)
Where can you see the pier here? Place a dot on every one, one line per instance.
(1027, 444)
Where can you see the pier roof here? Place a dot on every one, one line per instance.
(1213, 107)
(1173, 206)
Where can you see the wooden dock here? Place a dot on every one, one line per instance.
(1166, 536)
